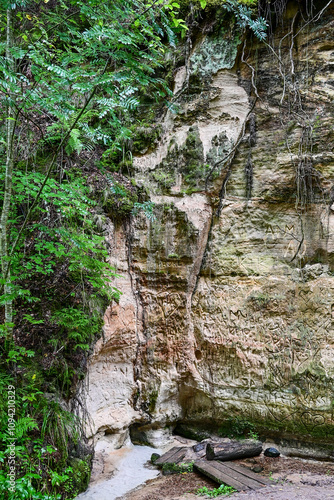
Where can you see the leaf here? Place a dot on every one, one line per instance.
(32, 320)
(74, 142)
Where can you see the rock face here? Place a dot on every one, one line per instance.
(227, 303)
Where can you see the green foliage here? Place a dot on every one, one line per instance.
(72, 236)
(80, 328)
(180, 468)
(147, 207)
(24, 490)
(71, 76)
(96, 35)
(145, 136)
(119, 201)
(238, 427)
(215, 3)
(215, 492)
(154, 458)
(244, 12)
(244, 15)
(253, 435)
(43, 431)
(78, 477)
(152, 400)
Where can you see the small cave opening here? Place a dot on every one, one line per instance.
(198, 355)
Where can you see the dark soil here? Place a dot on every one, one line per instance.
(293, 478)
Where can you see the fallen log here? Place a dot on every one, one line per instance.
(233, 450)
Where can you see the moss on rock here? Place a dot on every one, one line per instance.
(218, 51)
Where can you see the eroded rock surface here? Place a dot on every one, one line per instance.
(227, 303)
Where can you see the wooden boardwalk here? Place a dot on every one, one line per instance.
(228, 473)
(231, 474)
(173, 456)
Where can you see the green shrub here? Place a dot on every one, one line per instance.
(215, 492)
(238, 427)
(178, 468)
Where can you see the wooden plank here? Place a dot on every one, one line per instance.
(212, 472)
(250, 483)
(170, 455)
(248, 473)
(243, 479)
(166, 456)
(179, 456)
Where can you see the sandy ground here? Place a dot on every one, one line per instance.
(292, 479)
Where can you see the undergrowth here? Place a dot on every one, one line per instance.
(180, 468)
(238, 427)
(215, 492)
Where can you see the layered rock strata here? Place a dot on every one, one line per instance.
(227, 304)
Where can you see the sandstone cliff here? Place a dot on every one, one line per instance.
(227, 303)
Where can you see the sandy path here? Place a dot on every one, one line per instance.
(275, 492)
(129, 472)
(289, 492)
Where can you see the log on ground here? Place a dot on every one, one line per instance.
(233, 450)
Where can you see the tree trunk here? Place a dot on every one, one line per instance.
(10, 127)
(233, 450)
